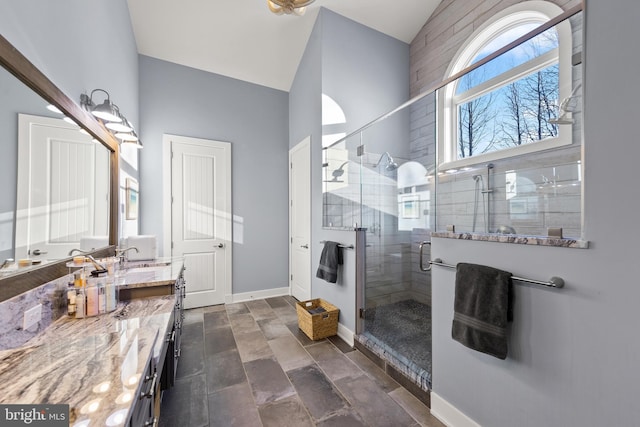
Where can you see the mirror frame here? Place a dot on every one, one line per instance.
(18, 65)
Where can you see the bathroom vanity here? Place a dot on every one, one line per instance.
(110, 369)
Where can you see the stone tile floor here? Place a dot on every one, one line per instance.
(248, 364)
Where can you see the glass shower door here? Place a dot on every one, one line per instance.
(396, 208)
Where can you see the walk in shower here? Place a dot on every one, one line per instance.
(392, 183)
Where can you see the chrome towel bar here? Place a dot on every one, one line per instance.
(554, 282)
(340, 245)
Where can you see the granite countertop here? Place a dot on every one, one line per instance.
(94, 364)
(514, 238)
(159, 272)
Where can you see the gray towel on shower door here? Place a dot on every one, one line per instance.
(330, 258)
(483, 305)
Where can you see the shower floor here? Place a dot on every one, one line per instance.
(401, 334)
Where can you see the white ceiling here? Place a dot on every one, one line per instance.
(244, 40)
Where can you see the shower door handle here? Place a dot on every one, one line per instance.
(421, 258)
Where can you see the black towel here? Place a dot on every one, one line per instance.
(330, 258)
(483, 305)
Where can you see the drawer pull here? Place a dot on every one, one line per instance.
(152, 389)
(173, 337)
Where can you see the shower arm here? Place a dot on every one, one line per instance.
(386, 153)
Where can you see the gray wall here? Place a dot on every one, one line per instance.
(366, 72)
(79, 46)
(574, 353)
(183, 101)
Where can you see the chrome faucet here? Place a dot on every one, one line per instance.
(7, 262)
(120, 253)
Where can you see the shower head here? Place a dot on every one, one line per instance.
(337, 173)
(477, 178)
(391, 165)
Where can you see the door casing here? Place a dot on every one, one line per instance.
(167, 205)
(299, 207)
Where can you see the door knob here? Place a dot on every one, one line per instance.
(220, 245)
(304, 246)
(37, 252)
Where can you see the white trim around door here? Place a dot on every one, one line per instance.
(209, 250)
(300, 220)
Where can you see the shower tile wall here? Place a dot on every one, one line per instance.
(422, 143)
(556, 200)
(530, 194)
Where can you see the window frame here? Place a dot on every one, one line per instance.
(448, 101)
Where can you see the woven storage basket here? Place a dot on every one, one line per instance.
(319, 325)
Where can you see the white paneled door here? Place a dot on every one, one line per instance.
(63, 188)
(201, 220)
(300, 220)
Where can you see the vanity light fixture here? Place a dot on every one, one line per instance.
(122, 126)
(130, 138)
(110, 115)
(105, 111)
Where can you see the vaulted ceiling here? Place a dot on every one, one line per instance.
(244, 40)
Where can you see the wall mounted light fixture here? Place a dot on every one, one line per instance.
(109, 114)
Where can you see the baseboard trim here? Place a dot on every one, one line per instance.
(448, 414)
(345, 334)
(248, 296)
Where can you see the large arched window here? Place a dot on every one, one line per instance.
(509, 105)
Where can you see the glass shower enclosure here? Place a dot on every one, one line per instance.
(381, 183)
(392, 183)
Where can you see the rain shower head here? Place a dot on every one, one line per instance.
(391, 165)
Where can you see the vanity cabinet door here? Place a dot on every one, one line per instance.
(143, 411)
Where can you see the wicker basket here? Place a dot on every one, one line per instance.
(319, 325)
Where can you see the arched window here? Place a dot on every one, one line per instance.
(509, 105)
